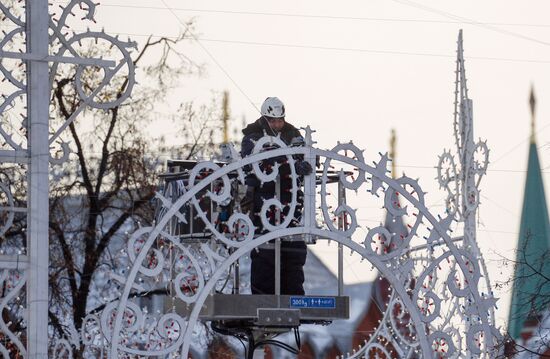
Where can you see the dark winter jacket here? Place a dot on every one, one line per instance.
(252, 133)
(257, 129)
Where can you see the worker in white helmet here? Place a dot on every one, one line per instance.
(293, 253)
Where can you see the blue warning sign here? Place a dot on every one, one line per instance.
(312, 302)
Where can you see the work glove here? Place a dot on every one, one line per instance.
(303, 168)
(297, 141)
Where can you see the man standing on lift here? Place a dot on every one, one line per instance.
(293, 253)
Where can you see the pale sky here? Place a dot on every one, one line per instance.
(354, 70)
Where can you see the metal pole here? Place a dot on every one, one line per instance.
(309, 187)
(278, 242)
(236, 279)
(38, 98)
(171, 191)
(191, 220)
(341, 225)
(211, 214)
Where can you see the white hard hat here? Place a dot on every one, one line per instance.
(273, 107)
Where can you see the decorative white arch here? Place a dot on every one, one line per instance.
(448, 313)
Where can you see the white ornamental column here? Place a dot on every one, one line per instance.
(38, 96)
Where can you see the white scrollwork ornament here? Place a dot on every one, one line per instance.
(432, 290)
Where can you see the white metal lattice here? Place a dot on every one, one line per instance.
(35, 40)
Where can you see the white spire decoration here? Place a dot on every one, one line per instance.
(462, 181)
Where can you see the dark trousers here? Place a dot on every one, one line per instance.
(293, 258)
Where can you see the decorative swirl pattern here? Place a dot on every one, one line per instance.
(13, 74)
(259, 147)
(91, 96)
(342, 209)
(13, 99)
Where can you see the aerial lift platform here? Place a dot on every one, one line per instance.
(257, 318)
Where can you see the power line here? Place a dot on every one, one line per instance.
(324, 48)
(521, 143)
(456, 19)
(495, 231)
(500, 206)
(320, 16)
(382, 52)
(211, 56)
(329, 48)
(470, 21)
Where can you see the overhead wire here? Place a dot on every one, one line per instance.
(212, 57)
(456, 18)
(496, 231)
(515, 147)
(362, 50)
(469, 21)
(329, 48)
(500, 206)
(322, 16)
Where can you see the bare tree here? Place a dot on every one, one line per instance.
(533, 302)
(108, 188)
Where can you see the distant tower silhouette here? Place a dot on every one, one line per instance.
(225, 116)
(531, 288)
